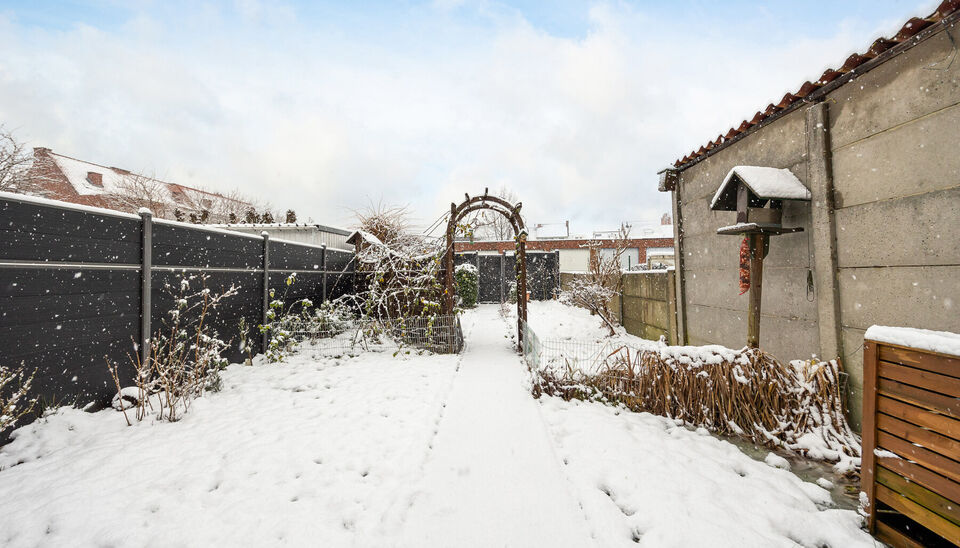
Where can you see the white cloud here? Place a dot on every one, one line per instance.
(322, 117)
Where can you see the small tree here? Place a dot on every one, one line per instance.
(489, 225)
(14, 165)
(137, 190)
(603, 281)
(291, 216)
(267, 218)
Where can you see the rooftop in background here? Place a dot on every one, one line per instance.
(77, 181)
(880, 51)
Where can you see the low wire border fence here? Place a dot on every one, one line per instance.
(440, 334)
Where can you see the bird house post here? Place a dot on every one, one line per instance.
(757, 195)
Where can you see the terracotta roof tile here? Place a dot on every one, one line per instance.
(879, 46)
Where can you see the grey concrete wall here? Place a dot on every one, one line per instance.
(895, 143)
(649, 303)
(649, 307)
(715, 313)
(893, 159)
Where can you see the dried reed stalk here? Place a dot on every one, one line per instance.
(751, 395)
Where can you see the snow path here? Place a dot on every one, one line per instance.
(493, 477)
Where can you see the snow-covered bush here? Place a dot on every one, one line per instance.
(185, 355)
(399, 270)
(284, 322)
(468, 284)
(592, 295)
(14, 400)
(289, 324)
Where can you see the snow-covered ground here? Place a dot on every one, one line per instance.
(407, 451)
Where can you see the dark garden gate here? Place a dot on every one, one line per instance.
(512, 213)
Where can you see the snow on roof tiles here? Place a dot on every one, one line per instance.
(113, 178)
(881, 50)
(766, 182)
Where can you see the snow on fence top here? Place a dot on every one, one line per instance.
(765, 182)
(943, 342)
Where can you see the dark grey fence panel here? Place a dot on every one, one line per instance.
(41, 232)
(64, 322)
(70, 289)
(497, 274)
(339, 260)
(492, 282)
(290, 256)
(179, 245)
(226, 318)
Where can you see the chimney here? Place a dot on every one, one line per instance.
(95, 179)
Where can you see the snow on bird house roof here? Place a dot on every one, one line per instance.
(768, 183)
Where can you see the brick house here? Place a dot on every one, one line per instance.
(575, 253)
(67, 179)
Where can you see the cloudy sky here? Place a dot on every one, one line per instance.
(326, 107)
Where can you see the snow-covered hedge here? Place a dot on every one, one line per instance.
(468, 284)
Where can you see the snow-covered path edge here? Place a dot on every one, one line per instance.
(493, 477)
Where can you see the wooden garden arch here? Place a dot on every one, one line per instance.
(512, 213)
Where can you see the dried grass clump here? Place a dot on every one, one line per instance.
(746, 393)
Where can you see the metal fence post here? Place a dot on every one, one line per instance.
(323, 265)
(266, 287)
(146, 281)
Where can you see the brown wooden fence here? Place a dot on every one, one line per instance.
(911, 444)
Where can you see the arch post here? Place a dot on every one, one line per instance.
(512, 213)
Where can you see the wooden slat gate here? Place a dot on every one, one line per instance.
(911, 444)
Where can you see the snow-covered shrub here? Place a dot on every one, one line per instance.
(185, 355)
(284, 322)
(602, 282)
(330, 319)
(592, 295)
(14, 400)
(745, 393)
(468, 284)
(399, 270)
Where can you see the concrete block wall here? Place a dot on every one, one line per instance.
(881, 155)
(649, 303)
(715, 312)
(895, 145)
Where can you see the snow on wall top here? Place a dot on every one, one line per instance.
(765, 182)
(943, 342)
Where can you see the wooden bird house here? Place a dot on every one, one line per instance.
(757, 195)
